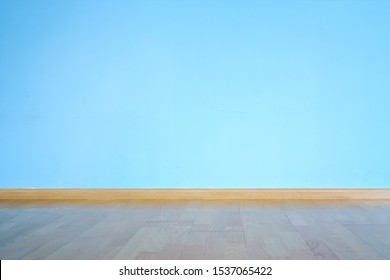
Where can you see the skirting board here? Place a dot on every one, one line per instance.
(16, 196)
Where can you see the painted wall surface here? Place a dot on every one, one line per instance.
(188, 94)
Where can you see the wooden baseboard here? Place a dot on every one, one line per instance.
(20, 196)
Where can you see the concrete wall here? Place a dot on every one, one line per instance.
(194, 94)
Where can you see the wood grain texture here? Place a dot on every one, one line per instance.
(195, 231)
(158, 196)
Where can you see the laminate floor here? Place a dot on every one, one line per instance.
(195, 231)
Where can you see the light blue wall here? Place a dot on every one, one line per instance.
(188, 94)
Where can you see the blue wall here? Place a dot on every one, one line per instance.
(187, 94)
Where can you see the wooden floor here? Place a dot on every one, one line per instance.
(195, 231)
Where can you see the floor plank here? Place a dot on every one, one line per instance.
(196, 231)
